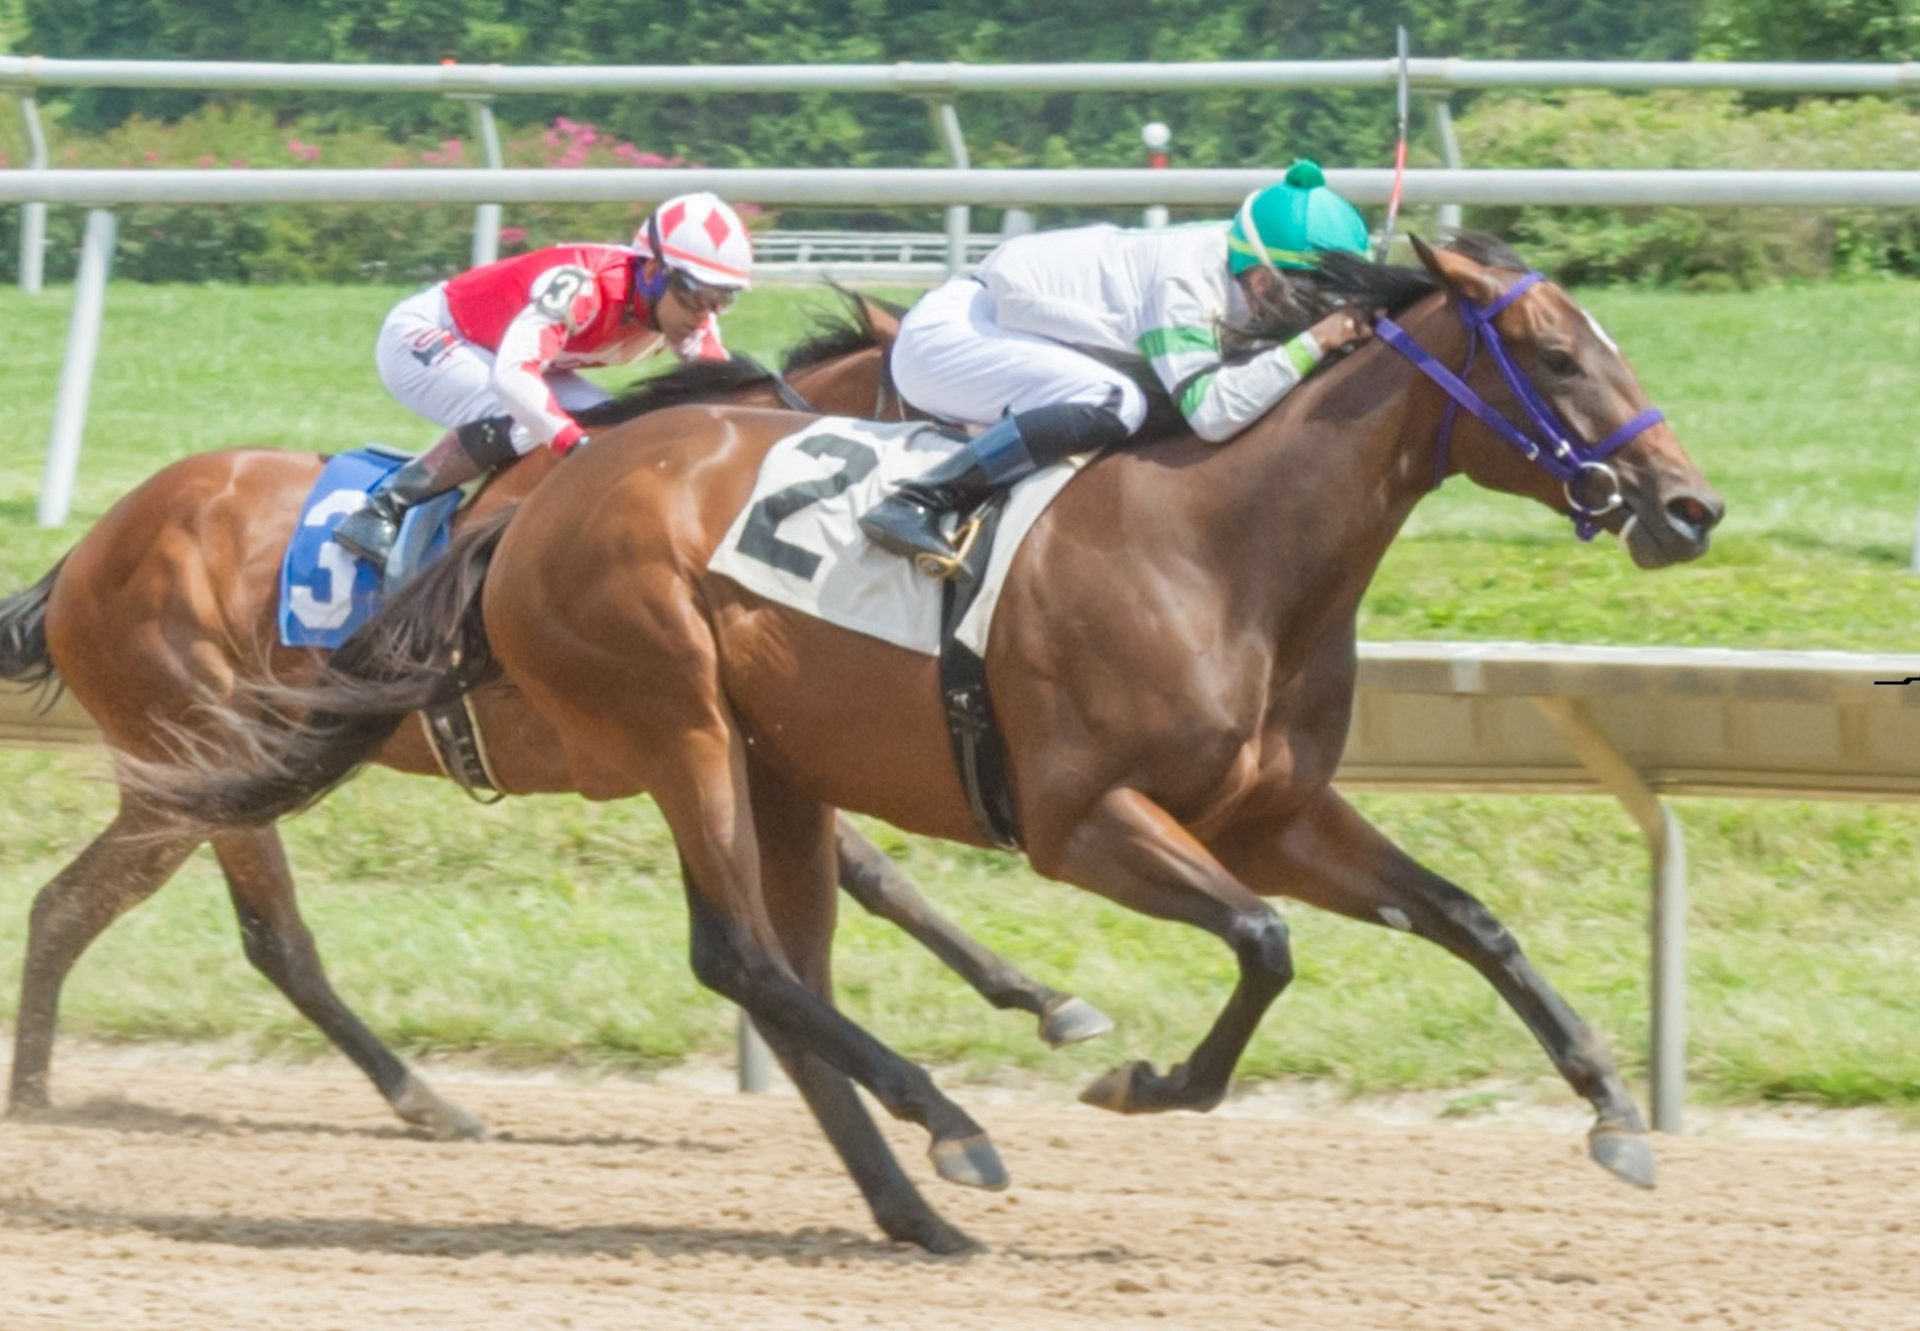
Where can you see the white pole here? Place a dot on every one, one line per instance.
(486, 216)
(76, 369)
(1156, 137)
(33, 216)
(1447, 217)
(959, 216)
(1667, 851)
(756, 1060)
(1668, 1055)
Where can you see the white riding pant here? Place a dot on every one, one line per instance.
(436, 373)
(952, 359)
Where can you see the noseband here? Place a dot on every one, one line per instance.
(1549, 444)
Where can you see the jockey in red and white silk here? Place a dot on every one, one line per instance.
(493, 354)
(556, 310)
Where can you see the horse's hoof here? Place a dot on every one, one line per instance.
(969, 1161)
(29, 1108)
(420, 1105)
(1113, 1089)
(1072, 1020)
(929, 1231)
(1625, 1155)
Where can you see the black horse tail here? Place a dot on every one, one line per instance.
(275, 748)
(24, 656)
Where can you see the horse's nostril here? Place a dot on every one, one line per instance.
(1693, 513)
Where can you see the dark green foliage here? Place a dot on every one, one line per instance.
(108, 127)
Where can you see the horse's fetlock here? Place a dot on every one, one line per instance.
(1484, 928)
(1261, 939)
(717, 965)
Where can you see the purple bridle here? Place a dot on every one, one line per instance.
(1554, 450)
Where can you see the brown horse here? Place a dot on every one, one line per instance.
(1172, 663)
(171, 597)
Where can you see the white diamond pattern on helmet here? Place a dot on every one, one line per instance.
(701, 236)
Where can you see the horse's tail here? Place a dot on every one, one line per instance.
(24, 656)
(275, 748)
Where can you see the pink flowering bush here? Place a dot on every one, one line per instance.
(396, 242)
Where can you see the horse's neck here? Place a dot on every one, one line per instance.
(845, 386)
(1303, 506)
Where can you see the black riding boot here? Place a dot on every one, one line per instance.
(459, 456)
(907, 522)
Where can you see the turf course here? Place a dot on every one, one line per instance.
(548, 929)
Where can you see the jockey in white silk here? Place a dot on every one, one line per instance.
(1033, 346)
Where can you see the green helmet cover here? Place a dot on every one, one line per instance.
(1287, 225)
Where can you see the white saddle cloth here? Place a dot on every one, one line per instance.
(798, 541)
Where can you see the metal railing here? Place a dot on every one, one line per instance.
(1508, 718)
(957, 188)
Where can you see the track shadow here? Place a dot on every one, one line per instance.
(801, 1247)
(112, 1114)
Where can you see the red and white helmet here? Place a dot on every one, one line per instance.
(699, 235)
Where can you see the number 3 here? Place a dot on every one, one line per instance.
(556, 294)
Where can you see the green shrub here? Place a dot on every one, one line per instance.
(1698, 247)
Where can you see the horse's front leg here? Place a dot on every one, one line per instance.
(1131, 851)
(1330, 856)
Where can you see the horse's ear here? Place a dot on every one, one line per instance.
(1461, 276)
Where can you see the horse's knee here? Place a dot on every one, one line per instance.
(265, 949)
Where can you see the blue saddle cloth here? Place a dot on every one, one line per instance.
(326, 593)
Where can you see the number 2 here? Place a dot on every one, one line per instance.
(759, 539)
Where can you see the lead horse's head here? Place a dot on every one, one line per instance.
(1566, 420)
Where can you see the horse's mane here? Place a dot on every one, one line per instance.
(1347, 279)
(833, 333)
(1342, 280)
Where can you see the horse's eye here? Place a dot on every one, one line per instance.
(1559, 362)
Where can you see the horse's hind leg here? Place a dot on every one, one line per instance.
(281, 948)
(1330, 856)
(871, 879)
(124, 866)
(797, 874)
(699, 783)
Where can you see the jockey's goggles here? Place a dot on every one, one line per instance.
(703, 297)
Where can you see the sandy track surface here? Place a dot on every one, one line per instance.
(196, 1199)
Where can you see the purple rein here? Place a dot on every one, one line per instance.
(1551, 446)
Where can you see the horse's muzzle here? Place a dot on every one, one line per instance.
(1672, 527)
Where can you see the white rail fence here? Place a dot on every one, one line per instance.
(1219, 189)
(1636, 723)
(957, 188)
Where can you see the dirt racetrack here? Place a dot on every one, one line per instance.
(290, 1199)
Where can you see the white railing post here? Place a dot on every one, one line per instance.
(76, 369)
(1447, 216)
(959, 216)
(1155, 136)
(33, 216)
(1667, 847)
(755, 1059)
(486, 216)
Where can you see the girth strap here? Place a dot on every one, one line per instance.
(979, 754)
(453, 732)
